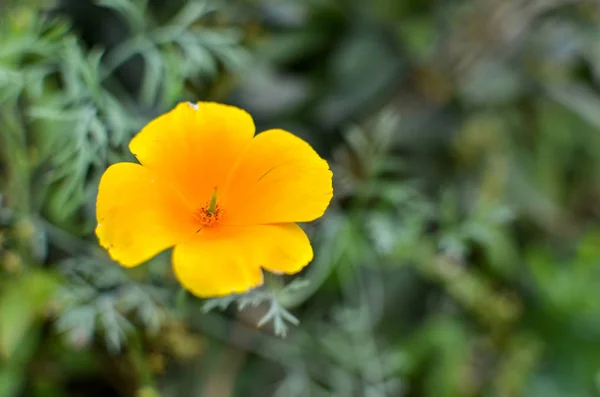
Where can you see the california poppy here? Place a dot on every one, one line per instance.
(225, 199)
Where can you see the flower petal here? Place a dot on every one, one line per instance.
(278, 179)
(224, 260)
(194, 146)
(138, 215)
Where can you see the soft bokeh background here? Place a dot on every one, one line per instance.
(460, 256)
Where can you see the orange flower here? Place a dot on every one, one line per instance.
(225, 199)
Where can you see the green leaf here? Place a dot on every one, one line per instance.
(132, 11)
(23, 302)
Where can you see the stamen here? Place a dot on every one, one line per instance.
(208, 217)
(211, 212)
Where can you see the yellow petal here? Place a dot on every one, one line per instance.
(224, 260)
(138, 215)
(278, 179)
(194, 146)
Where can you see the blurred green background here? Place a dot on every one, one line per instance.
(460, 256)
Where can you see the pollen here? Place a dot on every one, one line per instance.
(208, 217)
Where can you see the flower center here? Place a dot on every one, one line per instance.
(208, 216)
(211, 212)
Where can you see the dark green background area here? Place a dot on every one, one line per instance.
(459, 257)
